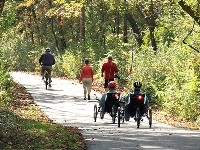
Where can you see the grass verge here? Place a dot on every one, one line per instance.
(24, 126)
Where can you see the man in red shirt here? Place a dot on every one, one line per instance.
(86, 77)
(108, 70)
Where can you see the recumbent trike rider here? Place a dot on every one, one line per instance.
(138, 105)
(110, 103)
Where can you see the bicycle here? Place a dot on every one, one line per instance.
(47, 79)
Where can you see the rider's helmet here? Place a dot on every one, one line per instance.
(48, 49)
(137, 84)
(112, 85)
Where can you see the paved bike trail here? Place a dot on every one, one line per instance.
(64, 104)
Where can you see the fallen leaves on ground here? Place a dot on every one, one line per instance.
(166, 118)
(23, 102)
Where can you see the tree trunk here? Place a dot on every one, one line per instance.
(52, 28)
(82, 23)
(37, 26)
(125, 38)
(150, 18)
(102, 29)
(2, 2)
(135, 28)
(189, 10)
(117, 22)
(54, 35)
(153, 41)
(30, 26)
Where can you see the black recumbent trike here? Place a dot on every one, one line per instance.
(113, 106)
(137, 109)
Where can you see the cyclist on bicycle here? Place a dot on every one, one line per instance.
(137, 90)
(46, 61)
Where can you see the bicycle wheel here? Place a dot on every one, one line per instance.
(150, 117)
(95, 113)
(46, 75)
(119, 116)
(138, 117)
(113, 111)
(46, 83)
(102, 112)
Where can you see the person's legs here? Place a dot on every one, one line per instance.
(89, 87)
(84, 81)
(42, 72)
(49, 69)
(85, 92)
(106, 85)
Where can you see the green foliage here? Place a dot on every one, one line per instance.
(8, 17)
(25, 57)
(5, 83)
(170, 80)
(71, 65)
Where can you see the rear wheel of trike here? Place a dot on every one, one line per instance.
(119, 116)
(95, 113)
(150, 117)
(102, 112)
(113, 111)
(138, 117)
(122, 116)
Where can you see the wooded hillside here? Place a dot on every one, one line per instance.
(154, 41)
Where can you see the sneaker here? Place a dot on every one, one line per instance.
(84, 98)
(42, 78)
(88, 97)
(49, 85)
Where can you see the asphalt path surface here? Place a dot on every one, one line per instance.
(64, 104)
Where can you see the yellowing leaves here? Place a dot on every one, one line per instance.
(66, 10)
(27, 3)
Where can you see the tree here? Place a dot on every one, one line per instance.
(149, 13)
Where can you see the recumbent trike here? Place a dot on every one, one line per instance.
(137, 109)
(113, 106)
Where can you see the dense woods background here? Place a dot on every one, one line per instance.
(154, 41)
